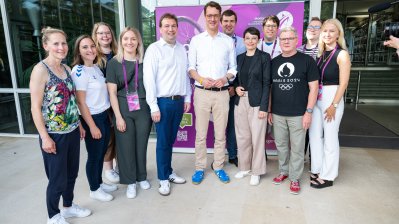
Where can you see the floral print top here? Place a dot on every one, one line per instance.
(59, 108)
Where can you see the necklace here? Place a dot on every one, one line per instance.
(326, 58)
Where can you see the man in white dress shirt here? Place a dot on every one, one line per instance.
(168, 93)
(212, 63)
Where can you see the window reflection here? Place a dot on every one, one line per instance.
(5, 75)
(8, 114)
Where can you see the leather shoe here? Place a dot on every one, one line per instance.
(234, 161)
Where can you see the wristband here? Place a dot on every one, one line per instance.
(200, 81)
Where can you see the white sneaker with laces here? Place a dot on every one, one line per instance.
(101, 195)
(242, 174)
(145, 185)
(164, 187)
(255, 179)
(57, 219)
(112, 176)
(108, 187)
(131, 191)
(75, 211)
(176, 179)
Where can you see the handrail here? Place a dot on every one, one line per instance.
(359, 71)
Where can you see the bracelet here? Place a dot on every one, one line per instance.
(200, 81)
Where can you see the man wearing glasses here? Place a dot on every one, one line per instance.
(212, 63)
(311, 49)
(270, 42)
(295, 79)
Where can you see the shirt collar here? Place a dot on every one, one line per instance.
(163, 42)
(207, 34)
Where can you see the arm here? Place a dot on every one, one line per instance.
(192, 67)
(120, 122)
(393, 42)
(150, 71)
(37, 84)
(266, 81)
(85, 112)
(232, 67)
(312, 97)
(344, 64)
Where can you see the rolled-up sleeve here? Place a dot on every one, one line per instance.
(232, 67)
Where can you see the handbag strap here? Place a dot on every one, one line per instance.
(136, 81)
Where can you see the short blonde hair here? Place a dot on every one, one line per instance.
(341, 39)
(288, 29)
(139, 49)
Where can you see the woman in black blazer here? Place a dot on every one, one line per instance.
(252, 87)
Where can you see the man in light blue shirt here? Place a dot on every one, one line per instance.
(229, 22)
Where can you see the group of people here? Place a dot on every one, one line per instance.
(114, 93)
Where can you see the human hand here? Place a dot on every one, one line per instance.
(48, 145)
(187, 107)
(329, 113)
(270, 119)
(231, 91)
(240, 91)
(306, 120)
(208, 83)
(262, 115)
(95, 132)
(120, 124)
(156, 116)
(392, 42)
(82, 132)
(219, 83)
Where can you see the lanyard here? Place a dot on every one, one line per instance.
(135, 74)
(328, 61)
(313, 50)
(274, 46)
(235, 40)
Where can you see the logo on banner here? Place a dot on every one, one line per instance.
(286, 19)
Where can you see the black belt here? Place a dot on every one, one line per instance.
(213, 88)
(177, 97)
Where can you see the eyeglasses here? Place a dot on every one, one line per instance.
(288, 38)
(216, 16)
(104, 33)
(270, 26)
(313, 27)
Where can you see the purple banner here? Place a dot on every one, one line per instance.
(192, 21)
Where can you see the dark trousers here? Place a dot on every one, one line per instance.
(61, 170)
(131, 145)
(96, 149)
(230, 131)
(171, 115)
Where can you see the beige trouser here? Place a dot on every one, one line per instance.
(250, 135)
(205, 103)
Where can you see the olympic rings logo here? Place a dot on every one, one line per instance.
(285, 86)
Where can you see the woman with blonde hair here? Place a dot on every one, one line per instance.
(55, 114)
(132, 117)
(104, 38)
(334, 66)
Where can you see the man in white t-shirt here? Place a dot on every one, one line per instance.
(270, 42)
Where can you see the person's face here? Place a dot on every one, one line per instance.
(104, 36)
(87, 50)
(330, 33)
(250, 41)
(288, 42)
(313, 30)
(169, 30)
(212, 16)
(56, 46)
(270, 30)
(228, 24)
(129, 42)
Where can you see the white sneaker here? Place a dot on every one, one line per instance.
(176, 179)
(101, 195)
(242, 174)
(164, 187)
(145, 185)
(254, 180)
(57, 219)
(112, 176)
(75, 211)
(108, 187)
(131, 191)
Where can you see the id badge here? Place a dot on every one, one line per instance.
(319, 96)
(133, 101)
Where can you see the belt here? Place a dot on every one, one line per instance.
(213, 88)
(177, 97)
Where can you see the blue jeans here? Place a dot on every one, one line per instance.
(231, 142)
(61, 170)
(96, 149)
(171, 115)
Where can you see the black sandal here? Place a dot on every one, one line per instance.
(318, 185)
(314, 176)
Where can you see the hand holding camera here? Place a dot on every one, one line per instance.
(393, 42)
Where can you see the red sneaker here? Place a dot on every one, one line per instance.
(279, 179)
(294, 187)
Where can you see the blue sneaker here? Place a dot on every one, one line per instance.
(222, 176)
(197, 177)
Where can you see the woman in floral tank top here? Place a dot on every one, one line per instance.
(55, 114)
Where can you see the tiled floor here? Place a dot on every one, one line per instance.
(367, 191)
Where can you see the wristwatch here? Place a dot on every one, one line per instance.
(335, 105)
(309, 110)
